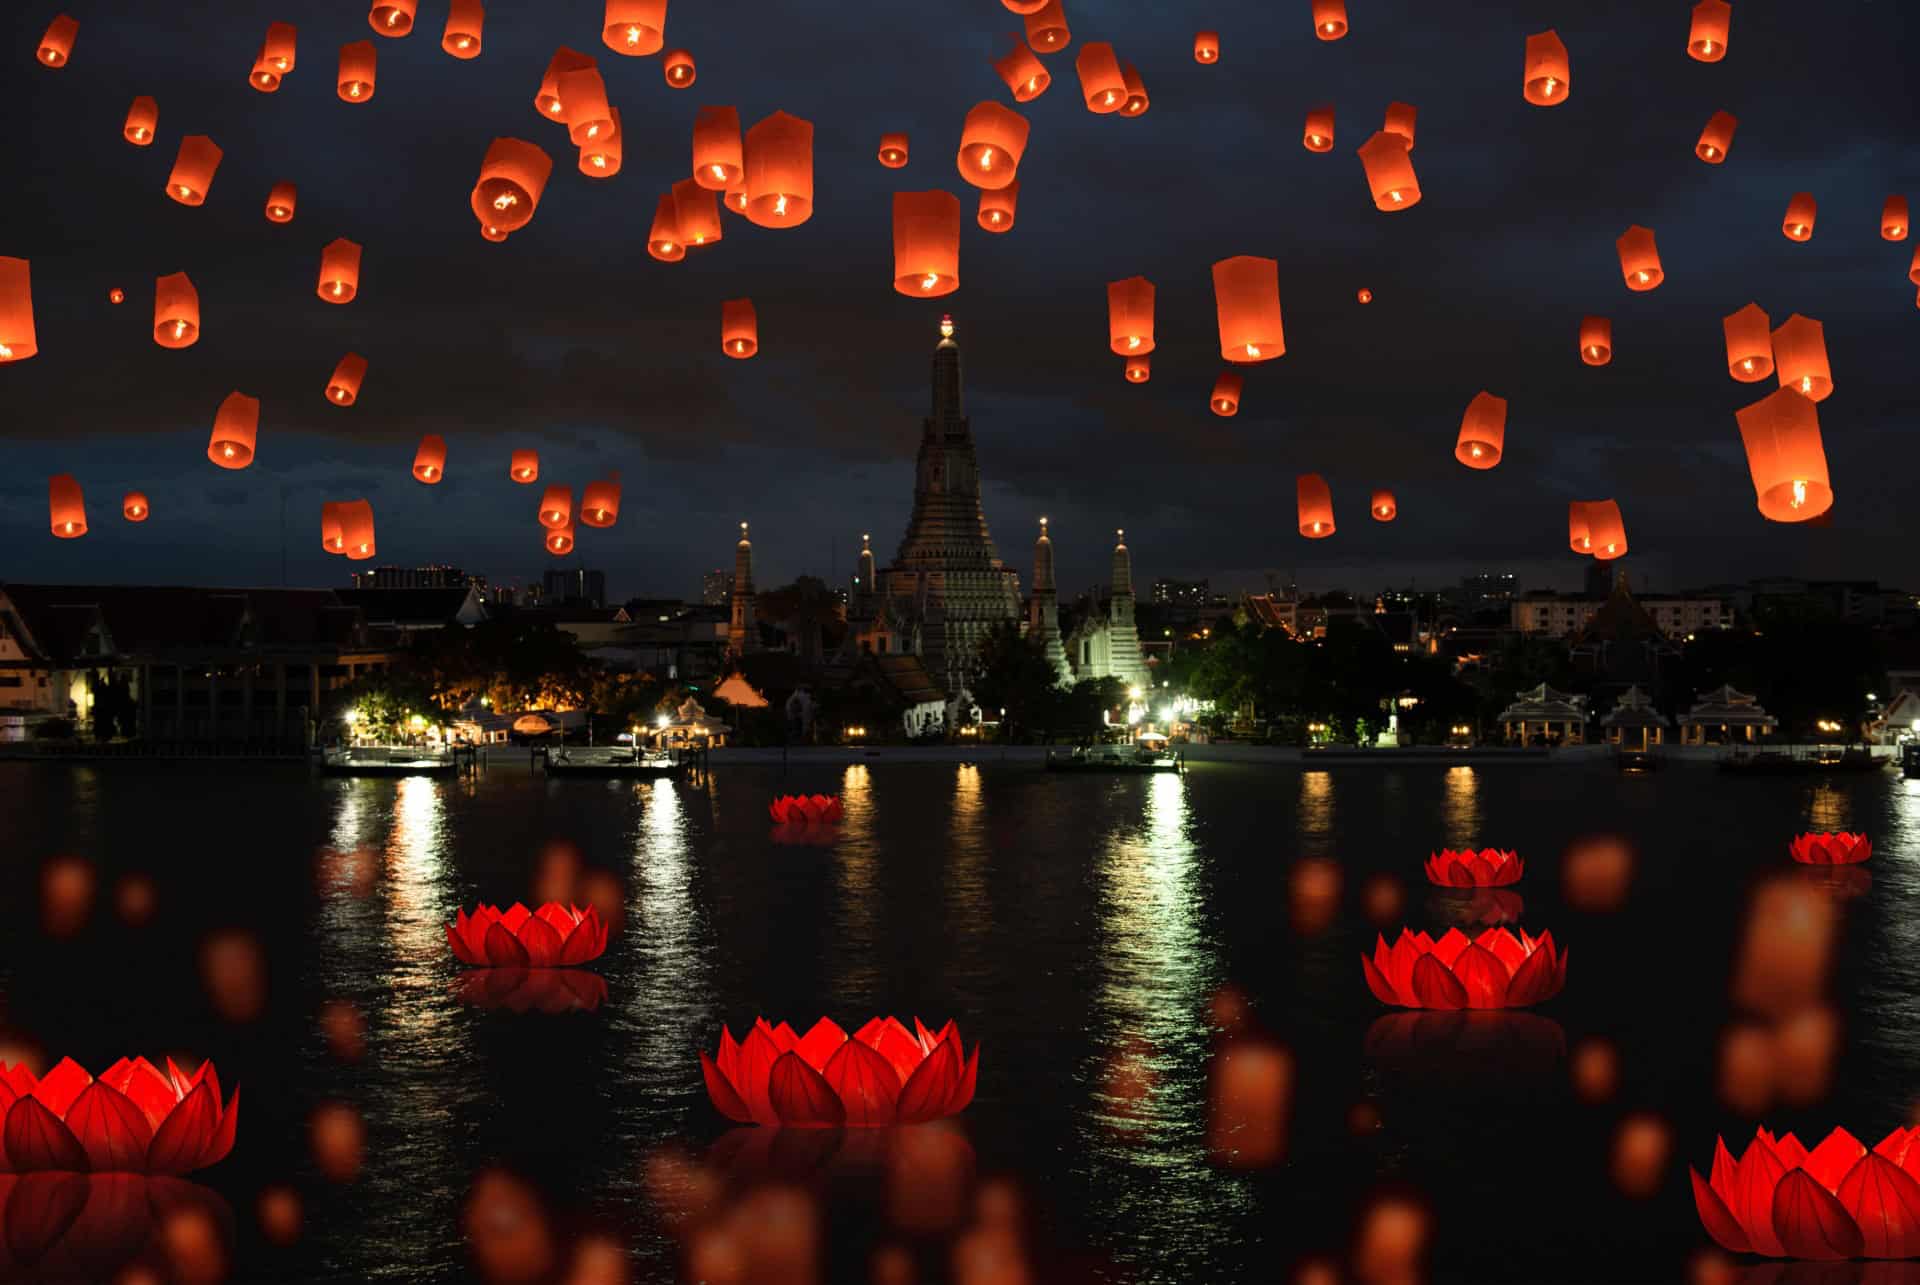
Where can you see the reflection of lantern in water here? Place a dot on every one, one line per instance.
(344, 388)
(142, 118)
(193, 168)
(997, 207)
(739, 328)
(1315, 503)
(339, 271)
(926, 243)
(992, 141)
(235, 427)
(1800, 357)
(1639, 258)
(1483, 431)
(465, 21)
(430, 460)
(1596, 341)
(1313, 886)
(17, 338)
(357, 65)
(1781, 433)
(779, 171)
(717, 161)
(66, 507)
(1246, 296)
(1547, 70)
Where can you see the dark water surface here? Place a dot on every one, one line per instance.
(1065, 922)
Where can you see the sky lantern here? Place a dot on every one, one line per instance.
(333, 536)
(1893, 219)
(587, 114)
(1024, 7)
(1781, 432)
(1225, 401)
(512, 177)
(779, 171)
(992, 142)
(356, 528)
(193, 167)
(893, 150)
(696, 212)
(1364, 295)
(735, 197)
(465, 19)
(116, 296)
(1800, 357)
(601, 157)
(678, 68)
(393, 18)
(524, 467)
(1206, 46)
(926, 243)
(235, 426)
(17, 340)
(1400, 120)
(600, 502)
(1716, 138)
(1329, 19)
(1316, 506)
(1101, 85)
(1390, 175)
(635, 28)
(1139, 369)
(56, 47)
(134, 506)
(547, 101)
(143, 117)
(176, 312)
(1798, 223)
(997, 208)
(1026, 78)
(1317, 134)
(1047, 28)
(1130, 316)
(1137, 100)
(556, 507)
(1596, 340)
(1639, 259)
(430, 459)
(1246, 297)
(339, 271)
(1579, 528)
(716, 148)
(357, 65)
(1606, 529)
(1383, 507)
(344, 388)
(739, 328)
(663, 238)
(66, 507)
(1749, 344)
(282, 200)
(1913, 272)
(276, 57)
(560, 540)
(1707, 32)
(1483, 431)
(1548, 70)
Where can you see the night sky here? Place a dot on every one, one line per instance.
(570, 339)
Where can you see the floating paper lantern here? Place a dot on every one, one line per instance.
(1798, 223)
(1749, 344)
(1606, 529)
(1579, 528)
(1596, 341)
(1547, 70)
(779, 171)
(1047, 28)
(1781, 433)
(1329, 19)
(560, 540)
(882, 1075)
(344, 388)
(1246, 297)
(678, 68)
(134, 506)
(663, 238)
(716, 148)
(134, 1119)
(176, 312)
(143, 117)
(276, 57)
(356, 529)
(1487, 868)
(465, 21)
(1400, 120)
(332, 527)
(992, 142)
(17, 339)
(1026, 78)
(524, 466)
(1707, 32)
(635, 27)
(1315, 506)
(116, 296)
(430, 459)
(56, 46)
(600, 503)
(1024, 7)
(1483, 431)
(339, 271)
(696, 213)
(512, 177)
(193, 167)
(1830, 849)
(997, 208)
(66, 507)
(601, 157)
(1800, 357)
(893, 151)
(1137, 101)
(236, 425)
(587, 114)
(1494, 970)
(1206, 46)
(556, 506)
(392, 18)
(1716, 139)
(1130, 316)
(1363, 295)
(1225, 401)
(357, 65)
(281, 203)
(1913, 272)
(554, 936)
(1837, 1200)
(547, 101)
(1317, 134)
(735, 197)
(1893, 219)
(1101, 85)
(926, 243)
(739, 328)
(1390, 175)
(1139, 369)
(1639, 259)
(1383, 506)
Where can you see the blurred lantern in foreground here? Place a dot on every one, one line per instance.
(1400, 120)
(356, 529)
(1607, 529)
(1913, 272)
(344, 1029)
(696, 213)
(1137, 100)
(1596, 872)
(1381, 899)
(1494, 970)
(992, 141)
(134, 506)
(430, 459)
(1130, 316)
(1313, 887)
(600, 502)
(1837, 1200)
(1483, 431)
(1249, 1100)
(1206, 46)
(663, 237)
(1025, 76)
(635, 27)
(1547, 70)
(66, 507)
(1595, 1068)
(282, 200)
(600, 158)
(1389, 170)
(779, 171)
(465, 21)
(1047, 28)
(276, 57)
(193, 167)
(1391, 1242)
(1246, 297)
(555, 936)
(587, 113)
(1139, 369)
(717, 162)
(339, 1140)
(56, 46)
(1781, 433)
(142, 119)
(926, 243)
(1749, 344)
(278, 1210)
(1786, 948)
(678, 68)
(1225, 401)
(560, 540)
(1102, 87)
(66, 883)
(1317, 134)
(332, 529)
(176, 311)
(1825, 849)
(524, 466)
(1642, 1145)
(929, 1175)
(1893, 219)
(893, 150)
(1315, 504)
(357, 65)
(512, 177)
(133, 1119)
(1487, 868)
(881, 1075)
(17, 339)
(339, 271)
(1639, 258)
(998, 207)
(1798, 223)
(235, 427)
(1329, 19)
(344, 388)
(392, 18)
(1800, 357)
(556, 506)
(739, 328)
(234, 970)
(1383, 507)
(1716, 139)
(506, 1229)
(548, 101)
(1596, 341)
(1707, 33)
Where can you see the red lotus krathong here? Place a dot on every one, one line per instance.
(882, 1075)
(1839, 849)
(1837, 1201)
(1494, 970)
(133, 1119)
(554, 936)
(805, 809)
(1487, 868)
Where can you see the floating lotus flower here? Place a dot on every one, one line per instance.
(534, 990)
(133, 1119)
(1487, 868)
(882, 1075)
(554, 936)
(805, 809)
(1831, 849)
(1494, 970)
(1837, 1201)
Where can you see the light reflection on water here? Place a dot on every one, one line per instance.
(858, 899)
(1460, 809)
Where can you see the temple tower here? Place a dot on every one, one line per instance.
(1043, 609)
(740, 632)
(1123, 635)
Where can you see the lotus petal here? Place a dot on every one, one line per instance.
(1505, 947)
(1483, 976)
(483, 918)
(1723, 1168)
(720, 1091)
(969, 1078)
(1754, 1180)
(820, 1043)
(516, 915)
(729, 1055)
(1884, 1203)
(1400, 961)
(865, 1082)
(1376, 982)
(1895, 1145)
(758, 1053)
(1715, 1217)
(1481, 870)
(182, 1137)
(562, 919)
(60, 1087)
(1811, 1222)
(36, 1140)
(1435, 987)
(19, 1079)
(586, 940)
(503, 949)
(927, 1091)
(1448, 948)
(784, 1039)
(801, 1097)
(1459, 874)
(1833, 1159)
(146, 1086)
(892, 1042)
(541, 941)
(1792, 1154)
(458, 941)
(1535, 980)
(223, 1134)
(114, 1131)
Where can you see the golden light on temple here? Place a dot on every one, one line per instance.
(634, 28)
(1315, 504)
(1389, 170)
(1596, 341)
(176, 311)
(343, 389)
(739, 328)
(779, 171)
(236, 426)
(998, 207)
(18, 340)
(1548, 70)
(1749, 344)
(1800, 357)
(1047, 28)
(143, 117)
(1797, 225)
(1781, 434)
(339, 271)
(678, 68)
(717, 160)
(282, 201)
(56, 45)
(926, 243)
(992, 141)
(1639, 259)
(193, 169)
(1716, 138)
(1707, 32)
(66, 507)
(1246, 295)
(358, 63)
(466, 20)
(1317, 134)
(1025, 77)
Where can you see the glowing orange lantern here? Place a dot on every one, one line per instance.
(281, 202)
(1800, 357)
(1316, 506)
(1246, 297)
(142, 118)
(1226, 394)
(600, 503)
(17, 339)
(1047, 28)
(1137, 100)
(1400, 120)
(926, 243)
(344, 388)
(1596, 341)
(392, 17)
(276, 57)
(1579, 529)
(1139, 369)
(430, 459)
(193, 167)
(1639, 258)
(339, 271)
(678, 68)
(66, 507)
(1913, 272)
(601, 157)
(1101, 84)
(635, 27)
(56, 47)
(1364, 295)
(997, 208)
(779, 171)
(1606, 529)
(1716, 139)
(465, 20)
(556, 507)
(1206, 46)
(992, 142)
(134, 506)
(357, 64)
(739, 328)
(356, 529)
(587, 113)
(1548, 71)
(332, 526)
(1798, 224)
(1749, 344)
(663, 238)
(1893, 219)
(1483, 431)
(1130, 315)
(512, 177)
(1383, 507)
(116, 296)
(235, 426)
(1781, 432)
(1317, 136)
(560, 540)
(735, 197)
(893, 150)
(1707, 32)
(716, 148)
(176, 312)
(1390, 175)
(524, 466)
(696, 212)
(1329, 19)
(547, 101)
(1026, 78)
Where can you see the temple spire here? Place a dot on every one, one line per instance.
(948, 406)
(1043, 561)
(1122, 565)
(740, 625)
(1043, 609)
(865, 572)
